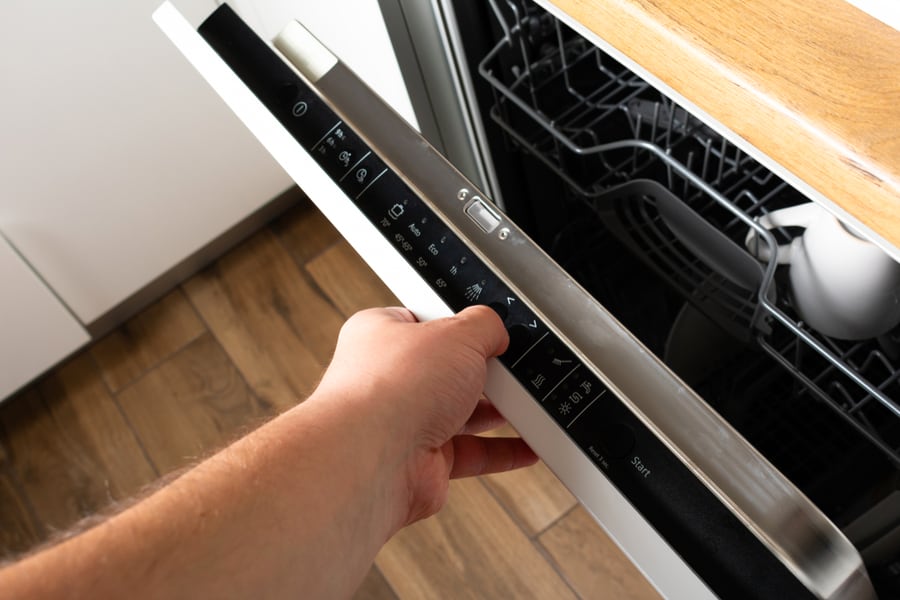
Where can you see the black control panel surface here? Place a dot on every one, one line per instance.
(670, 497)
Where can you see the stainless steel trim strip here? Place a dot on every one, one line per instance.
(456, 56)
(425, 47)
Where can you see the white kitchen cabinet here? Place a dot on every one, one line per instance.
(36, 330)
(118, 161)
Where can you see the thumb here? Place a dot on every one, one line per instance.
(484, 329)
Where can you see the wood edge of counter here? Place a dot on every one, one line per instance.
(838, 126)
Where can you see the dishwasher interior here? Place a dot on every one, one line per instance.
(648, 208)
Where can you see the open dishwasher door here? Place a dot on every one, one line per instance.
(700, 512)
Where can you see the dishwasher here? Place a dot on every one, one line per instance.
(635, 176)
(658, 363)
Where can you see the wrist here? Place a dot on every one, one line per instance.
(365, 436)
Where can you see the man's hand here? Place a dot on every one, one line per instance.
(422, 383)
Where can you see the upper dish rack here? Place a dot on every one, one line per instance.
(601, 129)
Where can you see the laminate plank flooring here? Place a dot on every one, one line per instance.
(70, 446)
(590, 562)
(146, 340)
(304, 234)
(277, 329)
(192, 403)
(348, 282)
(244, 339)
(472, 547)
(18, 528)
(533, 496)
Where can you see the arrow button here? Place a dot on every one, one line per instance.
(500, 309)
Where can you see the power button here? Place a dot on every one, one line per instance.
(483, 216)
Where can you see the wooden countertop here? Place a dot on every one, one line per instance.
(813, 84)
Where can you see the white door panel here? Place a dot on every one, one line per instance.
(36, 331)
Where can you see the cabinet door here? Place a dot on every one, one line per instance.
(118, 161)
(36, 331)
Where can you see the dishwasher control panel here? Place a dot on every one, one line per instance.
(603, 427)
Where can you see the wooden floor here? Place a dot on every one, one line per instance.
(237, 343)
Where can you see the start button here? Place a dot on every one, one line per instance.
(617, 439)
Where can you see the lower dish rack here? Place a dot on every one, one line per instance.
(650, 171)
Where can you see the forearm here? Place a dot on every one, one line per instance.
(269, 516)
